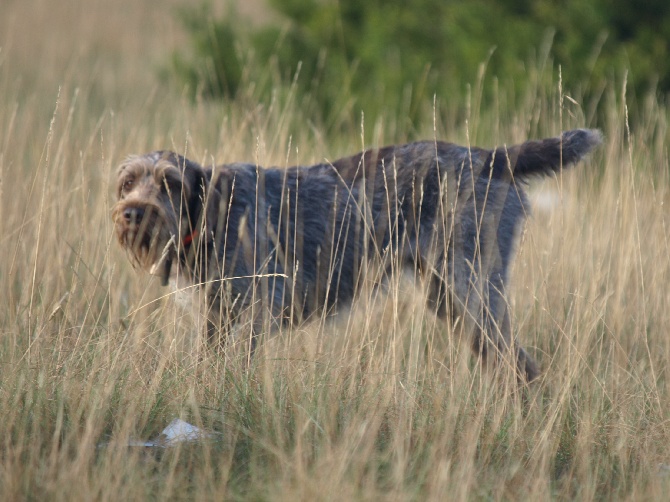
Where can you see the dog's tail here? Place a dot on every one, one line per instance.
(546, 156)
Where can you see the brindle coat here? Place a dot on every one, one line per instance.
(291, 242)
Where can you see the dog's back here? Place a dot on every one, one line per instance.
(413, 187)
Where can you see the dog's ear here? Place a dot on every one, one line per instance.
(194, 183)
(210, 191)
(198, 182)
(217, 201)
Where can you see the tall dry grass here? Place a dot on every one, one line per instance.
(380, 403)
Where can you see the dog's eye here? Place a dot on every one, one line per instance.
(127, 184)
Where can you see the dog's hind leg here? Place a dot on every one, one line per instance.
(494, 331)
(471, 285)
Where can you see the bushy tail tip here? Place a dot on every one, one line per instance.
(578, 143)
(550, 155)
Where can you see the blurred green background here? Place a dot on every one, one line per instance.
(394, 57)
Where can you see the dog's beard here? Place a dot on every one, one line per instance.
(149, 243)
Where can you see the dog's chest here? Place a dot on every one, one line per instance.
(186, 294)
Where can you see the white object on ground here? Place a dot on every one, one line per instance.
(176, 432)
(179, 431)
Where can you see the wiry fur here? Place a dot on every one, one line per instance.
(291, 242)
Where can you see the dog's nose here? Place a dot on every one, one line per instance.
(133, 215)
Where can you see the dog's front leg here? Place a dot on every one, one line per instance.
(218, 323)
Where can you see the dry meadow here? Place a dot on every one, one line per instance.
(379, 403)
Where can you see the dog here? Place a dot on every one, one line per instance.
(284, 244)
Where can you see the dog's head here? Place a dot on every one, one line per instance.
(159, 201)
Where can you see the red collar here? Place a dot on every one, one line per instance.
(189, 238)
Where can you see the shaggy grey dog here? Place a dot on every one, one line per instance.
(286, 243)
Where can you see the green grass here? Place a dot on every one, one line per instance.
(380, 403)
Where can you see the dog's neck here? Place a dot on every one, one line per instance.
(186, 241)
(186, 251)
(187, 258)
(195, 208)
(195, 246)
